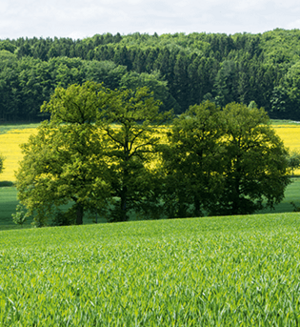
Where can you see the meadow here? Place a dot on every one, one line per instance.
(226, 271)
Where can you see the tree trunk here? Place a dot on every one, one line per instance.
(124, 191)
(79, 214)
(236, 206)
(197, 210)
(124, 204)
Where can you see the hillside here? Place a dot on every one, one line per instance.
(181, 70)
(209, 271)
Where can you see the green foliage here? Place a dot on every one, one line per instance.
(64, 161)
(8, 203)
(225, 83)
(20, 216)
(280, 46)
(106, 72)
(227, 161)
(194, 272)
(6, 45)
(255, 165)
(252, 105)
(296, 208)
(100, 147)
(64, 218)
(279, 99)
(75, 105)
(182, 69)
(80, 157)
(155, 84)
(1, 163)
(192, 161)
(294, 160)
(130, 145)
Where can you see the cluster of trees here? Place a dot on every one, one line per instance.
(181, 69)
(110, 152)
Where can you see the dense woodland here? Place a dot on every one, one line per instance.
(181, 70)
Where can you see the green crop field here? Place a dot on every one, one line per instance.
(226, 271)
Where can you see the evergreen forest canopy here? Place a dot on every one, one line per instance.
(181, 70)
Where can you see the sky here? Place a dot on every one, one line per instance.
(78, 19)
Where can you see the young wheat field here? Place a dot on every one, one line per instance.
(229, 271)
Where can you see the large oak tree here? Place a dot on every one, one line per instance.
(63, 163)
(129, 120)
(94, 153)
(223, 161)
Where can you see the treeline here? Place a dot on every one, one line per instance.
(106, 152)
(181, 70)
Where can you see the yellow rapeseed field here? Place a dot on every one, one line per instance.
(11, 151)
(11, 140)
(290, 134)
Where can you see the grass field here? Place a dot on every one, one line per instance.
(8, 202)
(226, 271)
(284, 122)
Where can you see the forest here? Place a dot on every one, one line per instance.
(181, 70)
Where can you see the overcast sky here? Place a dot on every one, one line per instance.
(83, 18)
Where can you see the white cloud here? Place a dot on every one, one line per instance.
(294, 24)
(79, 19)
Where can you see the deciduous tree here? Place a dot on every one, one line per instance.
(94, 152)
(63, 163)
(223, 161)
(128, 120)
(192, 161)
(255, 164)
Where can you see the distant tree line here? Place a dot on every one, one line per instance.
(182, 70)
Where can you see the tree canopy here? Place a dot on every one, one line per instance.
(192, 161)
(182, 70)
(255, 166)
(223, 162)
(103, 151)
(63, 164)
(129, 121)
(92, 155)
